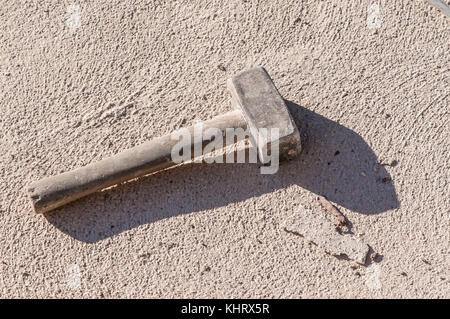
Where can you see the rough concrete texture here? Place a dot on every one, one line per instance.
(316, 228)
(85, 81)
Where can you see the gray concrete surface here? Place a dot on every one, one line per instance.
(85, 81)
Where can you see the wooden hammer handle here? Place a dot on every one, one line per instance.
(52, 192)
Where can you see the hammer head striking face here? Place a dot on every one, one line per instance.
(262, 106)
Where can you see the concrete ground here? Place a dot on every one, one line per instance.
(368, 84)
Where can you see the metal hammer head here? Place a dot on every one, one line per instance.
(254, 93)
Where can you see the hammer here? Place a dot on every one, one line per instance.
(258, 105)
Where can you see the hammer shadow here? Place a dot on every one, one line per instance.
(335, 162)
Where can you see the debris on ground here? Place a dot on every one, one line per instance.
(335, 214)
(376, 257)
(317, 229)
(393, 163)
(426, 261)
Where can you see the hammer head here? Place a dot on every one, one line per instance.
(254, 93)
